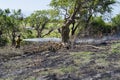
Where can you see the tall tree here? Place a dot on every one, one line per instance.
(79, 9)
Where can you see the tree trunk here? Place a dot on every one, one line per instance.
(13, 38)
(0, 33)
(65, 34)
(65, 27)
(38, 33)
(74, 28)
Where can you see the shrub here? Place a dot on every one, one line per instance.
(3, 41)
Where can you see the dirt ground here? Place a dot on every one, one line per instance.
(82, 62)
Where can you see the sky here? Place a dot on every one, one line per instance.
(28, 6)
(116, 8)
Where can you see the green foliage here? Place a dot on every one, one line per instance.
(39, 20)
(99, 25)
(28, 34)
(62, 3)
(44, 20)
(54, 15)
(10, 21)
(108, 28)
(3, 41)
(116, 20)
(98, 21)
(54, 34)
(38, 17)
(116, 23)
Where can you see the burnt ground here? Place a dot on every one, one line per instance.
(83, 62)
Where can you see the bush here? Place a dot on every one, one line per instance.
(3, 41)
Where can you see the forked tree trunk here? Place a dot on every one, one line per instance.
(68, 22)
(65, 28)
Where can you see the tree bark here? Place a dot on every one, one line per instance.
(74, 28)
(37, 29)
(48, 32)
(68, 22)
(13, 38)
(0, 33)
(65, 34)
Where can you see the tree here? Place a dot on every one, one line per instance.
(79, 9)
(14, 23)
(4, 19)
(9, 23)
(39, 20)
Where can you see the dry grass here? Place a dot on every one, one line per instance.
(7, 52)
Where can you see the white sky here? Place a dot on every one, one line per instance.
(116, 8)
(28, 6)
